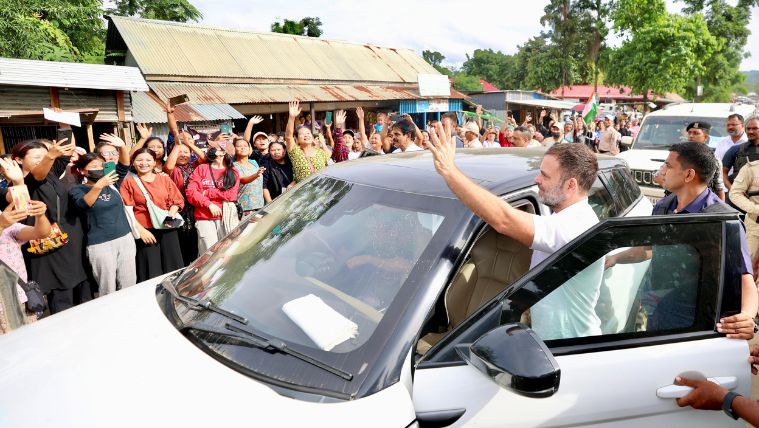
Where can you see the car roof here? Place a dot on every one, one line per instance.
(718, 110)
(500, 170)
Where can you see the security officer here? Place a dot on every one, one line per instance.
(698, 132)
(745, 195)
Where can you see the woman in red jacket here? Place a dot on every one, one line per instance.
(212, 190)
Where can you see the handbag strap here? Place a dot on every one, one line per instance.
(142, 189)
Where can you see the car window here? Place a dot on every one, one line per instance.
(600, 199)
(574, 299)
(666, 284)
(660, 132)
(623, 187)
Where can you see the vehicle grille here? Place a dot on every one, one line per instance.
(644, 177)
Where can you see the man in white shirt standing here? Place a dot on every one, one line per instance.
(567, 173)
(472, 136)
(735, 135)
(403, 133)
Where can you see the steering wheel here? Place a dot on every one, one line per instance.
(321, 262)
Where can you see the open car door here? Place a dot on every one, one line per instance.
(617, 335)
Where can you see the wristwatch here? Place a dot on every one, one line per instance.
(727, 404)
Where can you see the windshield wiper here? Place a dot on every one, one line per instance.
(204, 304)
(269, 345)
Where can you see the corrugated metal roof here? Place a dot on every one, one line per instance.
(25, 72)
(208, 93)
(146, 110)
(203, 52)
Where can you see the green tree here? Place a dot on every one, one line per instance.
(165, 10)
(495, 67)
(730, 26)
(433, 57)
(466, 83)
(308, 26)
(53, 30)
(663, 54)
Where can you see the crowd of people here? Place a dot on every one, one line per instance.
(125, 213)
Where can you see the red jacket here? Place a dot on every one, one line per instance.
(204, 190)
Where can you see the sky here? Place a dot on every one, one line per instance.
(446, 26)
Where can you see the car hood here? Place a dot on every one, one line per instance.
(117, 361)
(647, 160)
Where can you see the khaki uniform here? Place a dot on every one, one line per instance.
(748, 181)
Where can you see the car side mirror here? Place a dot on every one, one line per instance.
(514, 357)
(626, 141)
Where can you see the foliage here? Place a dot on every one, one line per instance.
(52, 30)
(729, 24)
(165, 10)
(495, 67)
(308, 26)
(433, 57)
(663, 54)
(466, 83)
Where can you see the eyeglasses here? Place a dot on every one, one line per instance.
(111, 153)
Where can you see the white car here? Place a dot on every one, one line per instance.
(665, 127)
(370, 296)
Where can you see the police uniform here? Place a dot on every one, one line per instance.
(748, 181)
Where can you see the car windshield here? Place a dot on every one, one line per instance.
(660, 132)
(321, 267)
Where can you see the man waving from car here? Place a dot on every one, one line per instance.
(567, 173)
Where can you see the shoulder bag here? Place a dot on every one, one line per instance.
(157, 214)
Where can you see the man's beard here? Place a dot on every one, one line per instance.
(552, 197)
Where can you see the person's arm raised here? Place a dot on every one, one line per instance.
(293, 112)
(145, 133)
(493, 210)
(56, 150)
(253, 121)
(418, 132)
(362, 126)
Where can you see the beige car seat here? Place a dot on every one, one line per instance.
(496, 261)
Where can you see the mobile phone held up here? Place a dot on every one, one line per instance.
(64, 134)
(109, 167)
(20, 196)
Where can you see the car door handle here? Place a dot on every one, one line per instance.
(438, 418)
(679, 391)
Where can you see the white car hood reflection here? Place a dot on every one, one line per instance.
(118, 362)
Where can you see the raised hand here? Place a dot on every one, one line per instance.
(60, 148)
(255, 120)
(478, 110)
(36, 208)
(113, 140)
(294, 108)
(360, 113)
(12, 171)
(107, 180)
(144, 131)
(340, 116)
(443, 147)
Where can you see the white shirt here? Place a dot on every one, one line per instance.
(534, 143)
(569, 311)
(724, 145)
(474, 144)
(353, 155)
(412, 148)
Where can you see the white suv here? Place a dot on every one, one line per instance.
(665, 127)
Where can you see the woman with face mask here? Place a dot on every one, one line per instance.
(110, 246)
(212, 190)
(306, 158)
(278, 177)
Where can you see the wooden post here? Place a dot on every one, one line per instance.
(2, 143)
(313, 117)
(120, 106)
(90, 137)
(55, 100)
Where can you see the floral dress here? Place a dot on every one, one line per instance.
(304, 166)
(250, 196)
